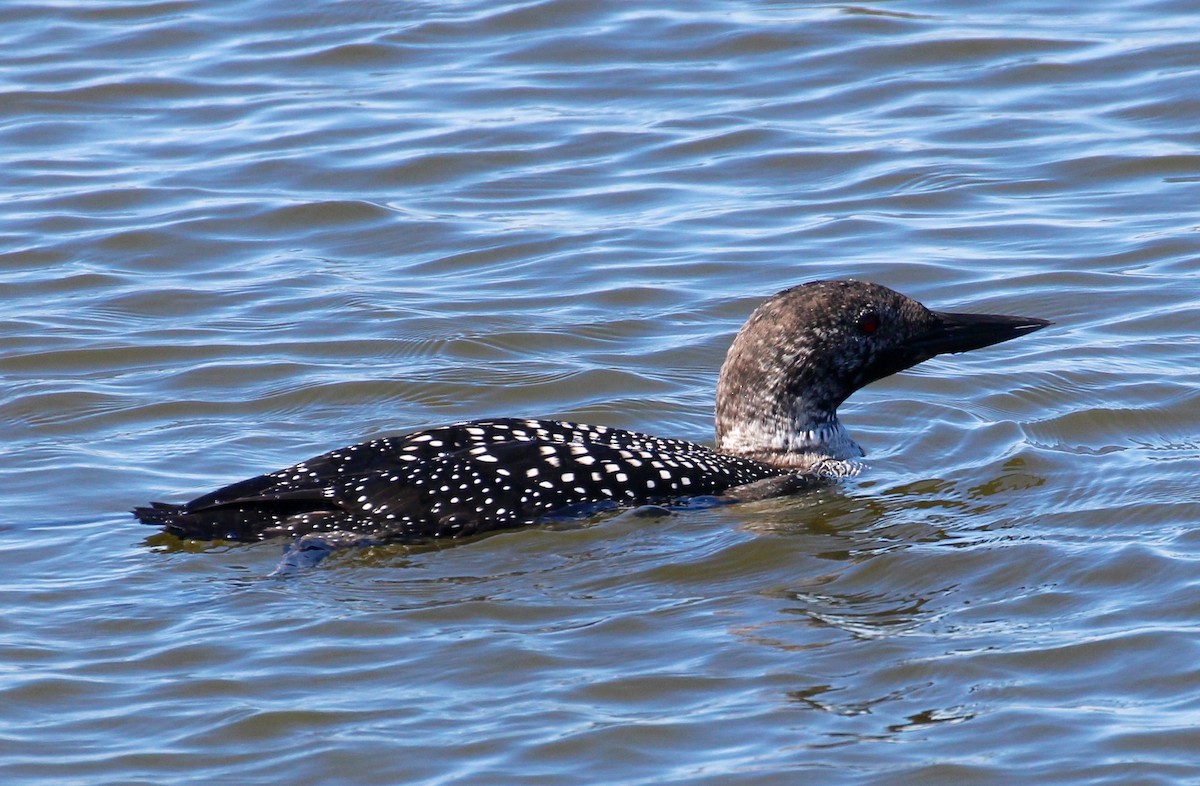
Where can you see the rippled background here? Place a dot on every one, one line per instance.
(238, 234)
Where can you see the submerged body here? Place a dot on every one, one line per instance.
(794, 361)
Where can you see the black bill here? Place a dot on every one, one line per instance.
(963, 332)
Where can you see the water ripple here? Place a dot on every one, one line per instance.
(233, 240)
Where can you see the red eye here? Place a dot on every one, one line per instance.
(868, 323)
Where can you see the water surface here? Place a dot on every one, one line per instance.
(235, 237)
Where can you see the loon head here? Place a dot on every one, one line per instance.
(807, 348)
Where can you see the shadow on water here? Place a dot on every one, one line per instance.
(860, 523)
(308, 551)
(892, 568)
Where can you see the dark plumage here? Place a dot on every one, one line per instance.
(798, 357)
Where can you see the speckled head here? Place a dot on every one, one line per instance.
(806, 349)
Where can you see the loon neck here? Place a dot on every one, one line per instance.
(788, 440)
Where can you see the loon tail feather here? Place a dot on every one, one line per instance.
(159, 514)
(184, 523)
(244, 519)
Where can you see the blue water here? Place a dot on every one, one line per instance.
(233, 236)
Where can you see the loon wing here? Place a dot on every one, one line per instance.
(302, 493)
(458, 480)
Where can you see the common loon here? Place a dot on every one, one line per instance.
(799, 355)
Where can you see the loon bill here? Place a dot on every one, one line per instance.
(799, 356)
